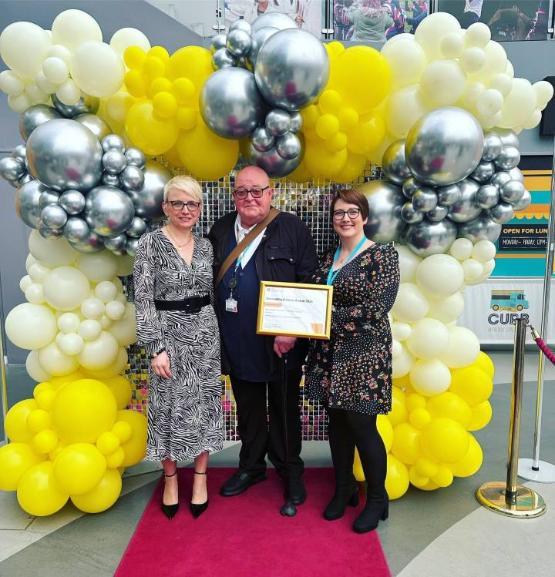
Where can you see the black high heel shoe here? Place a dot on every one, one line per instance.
(169, 510)
(343, 496)
(198, 509)
(373, 512)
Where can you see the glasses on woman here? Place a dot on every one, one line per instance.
(180, 205)
(352, 213)
(256, 192)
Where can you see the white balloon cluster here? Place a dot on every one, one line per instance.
(70, 61)
(76, 314)
(427, 343)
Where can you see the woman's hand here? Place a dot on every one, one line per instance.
(282, 345)
(161, 365)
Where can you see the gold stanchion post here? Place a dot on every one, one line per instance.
(509, 498)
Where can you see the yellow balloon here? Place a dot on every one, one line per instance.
(83, 410)
(485, 363)
(419, 418)
(357, 468)
(103, 496)
(310, 116)
(397, 479)
(122, 430)
(121, 389)
(416, 478)
(472, 384)
(452, 406)
(16, 421)
(385, 429)
(152, 135)
(471, 462)
(443, 477)
(38, 493)
(135, 83)
(322, 163)
(45, 441)
(134, 56)
(426, 467)
(116, 459)
(481, 416)
(164, 105)
(330, 102)
(406, 443)
(348, 118)
(38, 420)
(107, 443)
(184, 90)
(135, 447)
(445, 440)
(192, 62)
(398, 412)
(15, 459)
(327, 126)
(353, 168)
(186, 119)
(366, 135)
(78, 468)
(415, 401)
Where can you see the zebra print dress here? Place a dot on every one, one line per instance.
(184, 412)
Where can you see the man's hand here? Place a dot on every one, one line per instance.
(282, 345)
(161, 365)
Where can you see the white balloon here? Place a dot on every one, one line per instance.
(115, 310)
(35, 294)
(51, 252)
(544, 93)
(25, 282)
(106, 291)
(10, 83)
(125, 37)
(29, 261)
(116, 368)
(125, 330)
(23, 47)
(408, 263)
(92, 308)
(54, 361)
(34, 369)
(428, 338)
(401, 363)
(396, 348)
(72, 28)
(70, 344)
(69, 323)
(406, 59)
(452, 45)
(410, 304)
(440, 275)
(463, 348)
(404, 108)
(477, 34)
(430, 377)
(90, 329)
(433, 29)
(97, 69)
(461, 249)
(483, 250)
(19, 103)
(98, 266)
(502, 82)
(400, 331)
(30, 326)
(55, 70)
(65, 288)
(60, 51)
(100, 353)
(473, 271)
(472, 59)
(447, 310)
(69, 93)
(490, 103)
(125, 265)
(105, 322)
(38, 272)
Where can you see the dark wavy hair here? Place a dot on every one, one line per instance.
(351, 196)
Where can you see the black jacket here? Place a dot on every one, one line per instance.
(286, 254)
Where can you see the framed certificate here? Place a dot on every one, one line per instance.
(295, 309)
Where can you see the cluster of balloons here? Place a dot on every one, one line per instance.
(72, 440)
(76, 316)
(454, 181)
(266, 74)
(66, 63)
(445, 65)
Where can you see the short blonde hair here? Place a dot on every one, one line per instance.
(186, 184)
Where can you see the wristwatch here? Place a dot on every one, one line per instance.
(157, 353)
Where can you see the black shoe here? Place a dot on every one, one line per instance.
(239, 482)
(343, 496)
(197, 509)
(169, 510)
(373, 512)
(295, 490)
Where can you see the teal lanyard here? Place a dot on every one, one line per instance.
(333, 273)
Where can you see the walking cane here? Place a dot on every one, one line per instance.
(288, 509)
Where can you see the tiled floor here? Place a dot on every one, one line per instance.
(428, 534)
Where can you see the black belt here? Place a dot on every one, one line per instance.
(188, 305)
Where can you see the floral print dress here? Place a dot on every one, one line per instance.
(352, 370)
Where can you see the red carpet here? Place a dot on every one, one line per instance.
(245, 536)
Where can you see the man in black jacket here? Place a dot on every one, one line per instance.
(284, 251)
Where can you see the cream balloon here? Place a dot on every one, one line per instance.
(452, 45)
(70, 344)
(90, 329)
(23, 47)
(401, 363)
(473, 271)
(98, 266)
(406, 59)
(125, 330)
(544, 93)
(72, 28)
(55, 362)
(477, 34)
(106, 291)
(35, 294)
(100, 353)
(115, 310)
(433, 29)
(408, 263)
(428, 338)
(463, 348)
(410, 304)
(430, 377)
(461, 249)
(55, 70)
(401, 331)
(38, 272)
(68, 323)
(51, 252)
(443, 82)
(69, 93)
(125, 37)
(34, 368)
(116, 368)
(97, 69)
(25, 282)
(92, 308)
(65, 288)
(30, 326)
(447, 310)
(440, 275)
(472, 60)
(403, 109)
(518, 104)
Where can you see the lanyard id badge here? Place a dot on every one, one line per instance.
(231, 304)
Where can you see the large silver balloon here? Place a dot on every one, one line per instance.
(291, 69)
(487, 196)
(86, 105)
(93, 243)
(72, 201)
(524, 201)
(410, 215)
(109, 211)
(448, 195)
(231, 104)
(76, 230)
(258, 39)
(148, 200)
(64, 154)
(217, 42)
(277, 122)
(274, 20)
(384, 218)
(261, 139)
(424, 199)
(410, 186)
(35, 116)
(223, 59)
(508, 159)
(114, 161)
(484, 171)
(481, 228)
(501, 213)
(132, 178)
(27, 205)
(444, 146)
(135, 157)
(95, 124)
(12, 169)
(289, 146)
(466, 208)
(238, 43)
(137, 228)
(271, 161)
(427, 238)
(53, 216)
(512, 191)
(394, 163)
(113, 141)
(492, 146)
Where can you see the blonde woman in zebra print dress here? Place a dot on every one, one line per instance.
(177, 326)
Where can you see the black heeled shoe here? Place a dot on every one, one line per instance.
(371, 515)
(198, 509)
(343, 497)
(169, 510)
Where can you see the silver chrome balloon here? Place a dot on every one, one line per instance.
(508, 137)
(409, 215)
(47, 232)
(289, 146)
(231, 104)
(64, 154)
(481, 228)
(20, 151)
(109, 211)
(424, 199)
(27, 205)
(137, 228)
(12, 169)
(500, 179)
(487, 196)
(524, 201)
(238, 43)
(410, 186)
(116, 244)
(35, 116)
(261, 139)
(274, 20)
(274, 164)
(72, 201)
(53, 216)
(444, 146)
(516, 174)
(110, 179)
(48, 197)
(394, 163)
(131, 246)
(95, 124)
(484, 171)
(437, 214)
(148, 200)
(93, 243)
(241, 25)
(296, 121)
(512, 191)
(135, 157)
(113, 141)
(76, 230)
(501, 213)
(448, 195)
(217, 42)
(427, 238)
(223, 59)
(508, 159)
(132, 178)
(291, 69)
(277, 122)
(86, 105)
(25, 178)
(465, 209)
(114, 161)
(384, 218)
(258, 39)
(492, 146)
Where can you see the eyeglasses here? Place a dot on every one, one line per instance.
(352, 213)
(256, 192)
(180, 205)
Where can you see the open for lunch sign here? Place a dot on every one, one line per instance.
(523, 237)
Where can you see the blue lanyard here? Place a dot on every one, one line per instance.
(333, 273)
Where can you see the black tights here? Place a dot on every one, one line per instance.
(348, 429)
